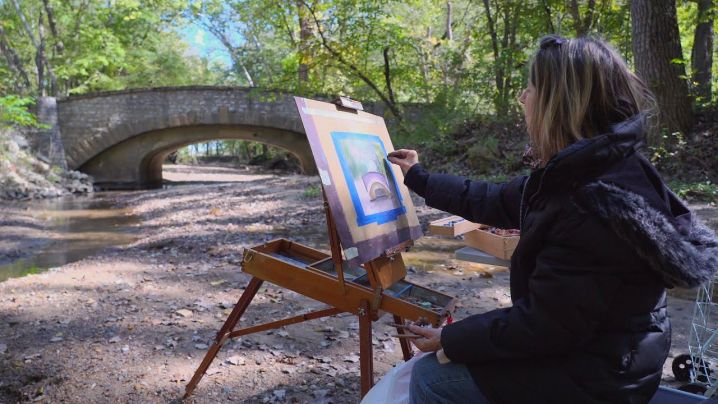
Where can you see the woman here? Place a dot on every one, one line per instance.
(601, 238)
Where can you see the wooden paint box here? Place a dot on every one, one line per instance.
(452, 226)
(499, 246)
(311, 273)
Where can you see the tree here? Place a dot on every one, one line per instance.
(702, 53)
(306, 33)
(503, 44)
(66, 47)
(582, 25)
(659, 61)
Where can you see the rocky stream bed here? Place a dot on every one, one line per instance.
(131, 323)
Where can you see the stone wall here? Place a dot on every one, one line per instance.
(47, 142)
(101, 132)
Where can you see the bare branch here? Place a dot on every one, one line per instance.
(340, 58)
(234, 53)
(25, 24)
(59, 47)
(449, 33)
(387, 74)
(13, 60)
(549, 18)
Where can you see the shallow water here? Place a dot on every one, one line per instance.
(78, 226)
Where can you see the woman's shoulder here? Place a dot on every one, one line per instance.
(651, 219)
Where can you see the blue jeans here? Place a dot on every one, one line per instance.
(432, 382)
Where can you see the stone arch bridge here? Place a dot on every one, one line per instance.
(121, 138)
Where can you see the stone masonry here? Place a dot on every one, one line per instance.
(121, 138)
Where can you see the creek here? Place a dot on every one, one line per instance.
(72, 228)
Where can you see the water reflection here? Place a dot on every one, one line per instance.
(76, 228)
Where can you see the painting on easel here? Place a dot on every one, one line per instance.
(370, 205)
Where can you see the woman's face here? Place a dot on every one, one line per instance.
(527, 100)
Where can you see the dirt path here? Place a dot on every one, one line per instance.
(131, 324)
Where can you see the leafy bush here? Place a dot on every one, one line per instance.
(704, 191)
(14, 111)
(312, 192)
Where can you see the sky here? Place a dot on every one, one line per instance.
(204, 44)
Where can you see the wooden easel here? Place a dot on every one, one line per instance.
(368, 291)
(368, 302)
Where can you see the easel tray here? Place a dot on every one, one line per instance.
(312, 273)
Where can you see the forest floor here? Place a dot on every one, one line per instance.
(132, 323)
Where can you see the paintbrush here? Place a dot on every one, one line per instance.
(407, 336)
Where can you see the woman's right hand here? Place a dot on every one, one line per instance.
(404, 158)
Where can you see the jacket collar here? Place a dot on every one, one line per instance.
(587, 158)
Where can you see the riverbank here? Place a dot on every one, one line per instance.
(22, 232)
(24, 176)
(132, 323)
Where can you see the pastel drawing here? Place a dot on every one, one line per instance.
(376, 185)
(372, 186)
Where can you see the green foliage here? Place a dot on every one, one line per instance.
(101, 45)
(14, 111)
(312, 192)
(393, 52)
(705, 191)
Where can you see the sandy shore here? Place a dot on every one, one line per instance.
(131, 323)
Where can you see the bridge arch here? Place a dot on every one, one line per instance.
(121, 138)
(137, 161)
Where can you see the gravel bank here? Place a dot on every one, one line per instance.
(131, 324)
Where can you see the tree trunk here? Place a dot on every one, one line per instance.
(449, 35)
(656, 48)
(40, 59)
(702, 53)
(305, 35)
(582, 25)
(15, 64)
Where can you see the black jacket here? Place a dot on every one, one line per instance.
(601, 237)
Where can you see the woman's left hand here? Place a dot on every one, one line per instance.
(431, 340)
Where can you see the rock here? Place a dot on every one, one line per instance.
(125, 348)
(353, 358)
(201, 346)
(279, 394)
(236, 360)
(56, 339)
(3, 348)
(114, 339)
(184, 312)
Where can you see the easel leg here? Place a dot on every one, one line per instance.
(366, 356)
(223, 333)
(405, 345)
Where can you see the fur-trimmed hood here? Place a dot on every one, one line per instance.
(610, 178)
(680, 248)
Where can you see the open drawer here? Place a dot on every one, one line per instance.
(311, 273)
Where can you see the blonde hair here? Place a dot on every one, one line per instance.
(582, 87)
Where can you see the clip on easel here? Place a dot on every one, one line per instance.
(367, 291)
